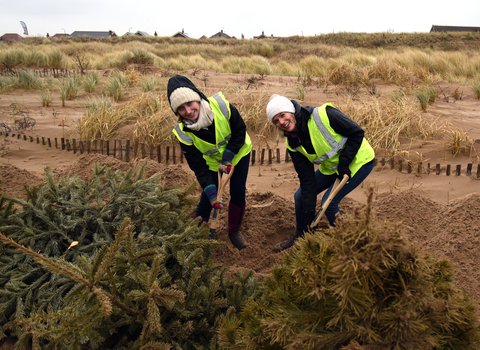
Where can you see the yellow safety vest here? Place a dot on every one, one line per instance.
(212, 153)
(328, 144)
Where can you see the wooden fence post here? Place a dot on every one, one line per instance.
(159, 154)
(135, 149)
(469, 169)
(127, 151)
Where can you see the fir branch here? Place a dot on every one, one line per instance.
(63, 271)
(125, 228)
(46, 262)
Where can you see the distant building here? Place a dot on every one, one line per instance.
(11, 37)
(60, 35)
(181, 34)
(263, 36)
(94, 34)
(138, 33)
(221, 35)
(453, 29)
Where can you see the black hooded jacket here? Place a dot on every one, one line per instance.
(194, 157)
(304, 167)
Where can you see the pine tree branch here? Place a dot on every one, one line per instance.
(66, 272)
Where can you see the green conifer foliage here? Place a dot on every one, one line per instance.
(110, 263)
(363, 286)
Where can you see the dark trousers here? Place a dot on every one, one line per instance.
(238, 187)
(327, 181)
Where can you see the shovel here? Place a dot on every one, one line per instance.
(337, 186)
(222, 182)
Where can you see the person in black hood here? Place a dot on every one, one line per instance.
(326, 137)
(213, 138)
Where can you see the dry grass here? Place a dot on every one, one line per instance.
(154, 119)
(102, 118)
(351, 62)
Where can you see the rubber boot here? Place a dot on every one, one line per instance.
(289, 242)
(235, 217)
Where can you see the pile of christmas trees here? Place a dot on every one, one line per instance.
(116, 263)
(111, 263)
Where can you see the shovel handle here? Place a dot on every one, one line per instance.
(222, 182)
(337, 186)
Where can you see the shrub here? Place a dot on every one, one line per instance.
(364, 286)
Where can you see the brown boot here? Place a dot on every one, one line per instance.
(235, 217)
(289, 242)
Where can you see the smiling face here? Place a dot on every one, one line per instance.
(189, 110)
(285, 121)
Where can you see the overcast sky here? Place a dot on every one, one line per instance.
(247, 17)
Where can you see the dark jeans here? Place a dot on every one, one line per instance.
(327, 181)
(237, 188)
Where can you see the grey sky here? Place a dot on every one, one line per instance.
(247, 17)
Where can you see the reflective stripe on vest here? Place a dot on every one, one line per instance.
(336, 146)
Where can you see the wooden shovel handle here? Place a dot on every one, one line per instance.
(222, 182)
(337, 186)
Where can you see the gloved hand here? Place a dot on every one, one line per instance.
(343, 170)
(227, 157)
(309, 216)
(225, 168)
(211, 192)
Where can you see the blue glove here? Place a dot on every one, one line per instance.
(227, 157)
(211, 192)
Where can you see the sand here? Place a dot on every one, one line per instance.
(439, 212)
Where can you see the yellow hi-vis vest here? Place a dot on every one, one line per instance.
(213, 153)
(328, 144)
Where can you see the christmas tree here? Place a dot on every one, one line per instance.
(362, 286)
(112, 263)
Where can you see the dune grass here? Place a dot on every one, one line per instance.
(350, 62)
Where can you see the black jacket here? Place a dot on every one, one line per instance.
(194, 157)
(304, 168)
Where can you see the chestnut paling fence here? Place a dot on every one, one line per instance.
(128, 150)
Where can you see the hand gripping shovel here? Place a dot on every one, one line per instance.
(222, 181)
(337, 186)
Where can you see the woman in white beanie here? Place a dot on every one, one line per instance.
(213, 136)
(326, 137)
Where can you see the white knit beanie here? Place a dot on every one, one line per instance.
(181, 95)
(279, 104)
